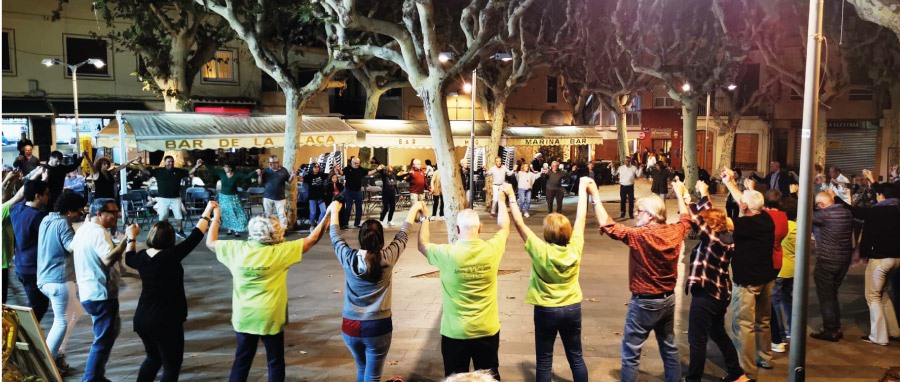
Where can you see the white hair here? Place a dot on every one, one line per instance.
(754, 200)
(265, 229)
(472, 376)
(468, 218)
(655, 206)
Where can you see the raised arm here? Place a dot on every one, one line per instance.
(196, 166)
(524, 231)
(212, 235)
(602, 216)
(731, 184)
(503, 217)
(133, 160)
(316, 233)
(581, 210)
(424, 233)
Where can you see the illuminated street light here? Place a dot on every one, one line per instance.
(732, 87)
(467, 87)
(686, 87)
(445, 57)
(97, 63)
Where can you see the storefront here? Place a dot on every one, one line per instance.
(852, 145)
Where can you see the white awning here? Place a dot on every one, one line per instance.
(154, 131)
(551, 136)
(396, 133)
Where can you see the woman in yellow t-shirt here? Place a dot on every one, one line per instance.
(554, 290)
(259, 268)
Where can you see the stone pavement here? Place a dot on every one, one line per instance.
(315, 351)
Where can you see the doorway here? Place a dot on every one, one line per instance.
(664, 147)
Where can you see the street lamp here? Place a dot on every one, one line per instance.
(97, 63)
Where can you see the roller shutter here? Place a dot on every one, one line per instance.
(849, 148)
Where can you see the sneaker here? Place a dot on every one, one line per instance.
(826, 335)
(766, 365)
(344, 228)
(180, 235)
(527, 215)
(389, 224)
(869, 340)
(779, 348)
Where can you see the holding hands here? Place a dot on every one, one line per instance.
(727, 175)
(132, 231)
(418, 211)
(702, 188)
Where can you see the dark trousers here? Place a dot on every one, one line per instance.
(105, 316)
(246, 349)
(36, 299)
(775, 324)
(565, 320)
(438, 200)
(482, 352)
(388, 205)
(626, 194)
(706, 321)
(351, 198)
(828, 277)
(555, 195)
(165, 349)
(783, 298)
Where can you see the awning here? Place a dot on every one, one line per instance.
(95, 108)
(154, 131)
(13, 107)
(551, 136)
(395, 133)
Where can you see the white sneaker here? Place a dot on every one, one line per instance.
(779, 348)
(527, 215)
(389, 224)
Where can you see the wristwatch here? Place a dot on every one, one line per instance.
(129, 240)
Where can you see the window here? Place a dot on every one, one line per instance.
(861, 95)
(552, 89)
(9, 52)
(663, 102)
(221, 68)
(79, 49)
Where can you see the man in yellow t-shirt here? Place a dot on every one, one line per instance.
(470, 324)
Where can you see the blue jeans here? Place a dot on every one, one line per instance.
(783, 298)
(369, 353)
(246, 349)
(566, 320)
(316, 211)
(64, 300)
(524, 200)
(351, 198)
(643, 316)
(105, 316)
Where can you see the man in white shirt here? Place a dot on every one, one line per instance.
(627, 173)
(498, 174)
(94, 257)
(838, 183)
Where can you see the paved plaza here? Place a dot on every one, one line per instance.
(315, 351)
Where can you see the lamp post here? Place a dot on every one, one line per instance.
(98, 63)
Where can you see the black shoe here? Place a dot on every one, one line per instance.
(181, 235)
(622, 216)
(344, 228)
(827, 335)
(631, 217)
(766, 365)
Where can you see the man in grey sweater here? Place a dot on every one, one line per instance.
(553, 180)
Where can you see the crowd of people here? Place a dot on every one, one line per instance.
(743, 262)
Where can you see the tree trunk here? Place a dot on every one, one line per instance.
(728, 131)
(373, 95)
(578, 116)
(689, 141)
(621, 130)
(435, 104)
(293, 107)
(176, 89)
(821, 138)
(498, 118)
